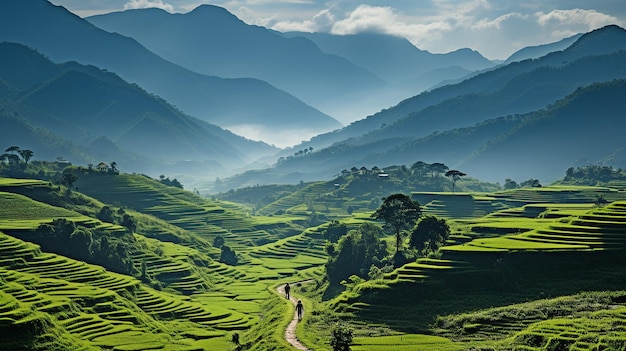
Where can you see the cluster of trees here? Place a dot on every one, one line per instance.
(361, 252)
(91, 245)
(593, 174)
(530, 183)
(356, 253)
(170, 182)
(106, 214)
(298, 153)
(15, 156)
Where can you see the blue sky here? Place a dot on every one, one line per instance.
(496, 28)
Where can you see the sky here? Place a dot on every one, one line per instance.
(495, 28)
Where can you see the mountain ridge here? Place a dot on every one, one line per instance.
(210, 40)
(82, 104)
(63, 36)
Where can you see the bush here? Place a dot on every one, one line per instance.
(341, 338)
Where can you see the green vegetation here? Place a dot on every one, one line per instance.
(128, 262)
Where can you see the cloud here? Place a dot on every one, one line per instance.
(142, 4)
(568, 22)
(321, 22)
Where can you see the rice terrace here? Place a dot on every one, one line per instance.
(129, 263)
(179, 175)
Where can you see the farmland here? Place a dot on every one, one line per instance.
(530, 268)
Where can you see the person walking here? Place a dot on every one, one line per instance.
(287, 290)
(299, 309)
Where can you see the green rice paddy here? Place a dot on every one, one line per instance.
(195, 302)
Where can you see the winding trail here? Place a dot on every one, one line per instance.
(290, 332)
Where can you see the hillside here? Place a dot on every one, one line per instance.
(62, 37)
(535, 52)
(83, 105)
(131, 265)
(212, 41)
(507, 82)
(467, 148)
(174, 293)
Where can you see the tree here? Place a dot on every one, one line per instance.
(218, 241)
(26, 155)
(129, 223)
(400, 213)
(13, 149)
(419, 168)
(106, 214)
(437, 168)
(355, 253)
(530, 183)
(454, 175)
(430, 232)
(341, 338)
(510, 184)
(11, 158)
(335, 230)
(228, 256)
(114, 167)
(69, 179)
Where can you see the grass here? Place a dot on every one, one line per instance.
(503, 241)
(405, 342)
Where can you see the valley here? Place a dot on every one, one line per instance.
(165, 174)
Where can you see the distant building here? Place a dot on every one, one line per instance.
(102, 167)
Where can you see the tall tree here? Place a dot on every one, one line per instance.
(454, 175)
(400, 213)
(26, 155)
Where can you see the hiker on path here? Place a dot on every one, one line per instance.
(299, 309)
(287, 290)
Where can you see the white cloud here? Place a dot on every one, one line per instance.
(142, 4)
(322, 22)
(590, 18)
(499, 22)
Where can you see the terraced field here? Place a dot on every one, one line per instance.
(597, 229)
(205, 298)
(184, 209)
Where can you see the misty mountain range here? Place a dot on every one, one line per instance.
(160, 97)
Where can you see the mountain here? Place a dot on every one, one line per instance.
(212, 41)
(452, 123)
(398, 61)
(98, 110)
(507, 89)
(583, 128)
(534, 52)
(63, 37)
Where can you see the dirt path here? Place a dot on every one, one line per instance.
(290, 332)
